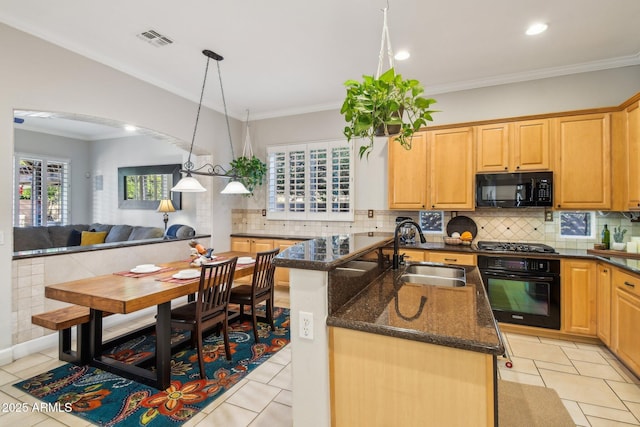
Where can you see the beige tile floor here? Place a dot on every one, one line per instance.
(594, 386)
(596, 389)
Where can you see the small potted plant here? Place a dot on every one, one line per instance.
(251, 171)
(386, 105)
(618, 236)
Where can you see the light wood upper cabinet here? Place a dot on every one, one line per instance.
(603, 303)
(531, 145)
(452, 174)
(579, 294)
(633, 157)
(513, 147)
(582, 162)
(492, 148)
(408, 174)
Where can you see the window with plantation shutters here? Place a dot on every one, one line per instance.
(41, 191)
(310, 181)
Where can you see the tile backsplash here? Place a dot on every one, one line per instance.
(513, 225)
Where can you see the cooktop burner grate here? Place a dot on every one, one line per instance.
(515, 247)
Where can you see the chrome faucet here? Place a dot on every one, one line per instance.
(396, 240)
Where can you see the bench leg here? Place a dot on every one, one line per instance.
(81, 355)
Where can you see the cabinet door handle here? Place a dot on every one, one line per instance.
(631, 285)
(451, 259)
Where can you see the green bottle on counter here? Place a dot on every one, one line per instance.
(606, 237)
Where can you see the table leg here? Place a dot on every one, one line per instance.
(95, 338)
(163, 345)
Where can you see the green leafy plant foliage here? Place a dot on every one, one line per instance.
(251, 171)
(373, 107)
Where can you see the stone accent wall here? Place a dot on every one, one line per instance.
(29, 276)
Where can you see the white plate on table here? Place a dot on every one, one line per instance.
(187, 274)
(145, 268)
(245, 260)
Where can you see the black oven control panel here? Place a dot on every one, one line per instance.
(516, 264)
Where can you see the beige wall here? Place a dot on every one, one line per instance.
(37, 75)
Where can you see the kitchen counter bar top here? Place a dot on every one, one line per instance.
(366, 294)
(458, 317)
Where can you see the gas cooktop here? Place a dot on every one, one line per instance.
(515, 247)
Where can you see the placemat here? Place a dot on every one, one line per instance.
(138, 275)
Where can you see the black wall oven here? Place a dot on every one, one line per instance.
(523, 290)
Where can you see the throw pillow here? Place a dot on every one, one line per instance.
(75, 238)
(92, 237)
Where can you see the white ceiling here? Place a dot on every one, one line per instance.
(289, 56)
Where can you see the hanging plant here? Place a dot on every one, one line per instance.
(385, 106)
(250, 170)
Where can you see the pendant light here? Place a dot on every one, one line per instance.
(189, 184)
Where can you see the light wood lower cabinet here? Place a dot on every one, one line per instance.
(451, 258)
(603, 304)
(282, 273)
(625, 318)
(250, 245)
(578, 296)
(385, 381)
(413, 255)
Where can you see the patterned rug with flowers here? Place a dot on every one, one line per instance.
(109, 400)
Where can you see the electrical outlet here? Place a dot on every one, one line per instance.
(370, 213)
(306, 325)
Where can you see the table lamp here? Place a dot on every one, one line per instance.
(166, 206)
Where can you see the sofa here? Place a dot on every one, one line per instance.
(58, 236)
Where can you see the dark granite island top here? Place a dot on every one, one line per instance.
(459, 317)
(365, 294)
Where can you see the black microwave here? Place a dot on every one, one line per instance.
(514, 190)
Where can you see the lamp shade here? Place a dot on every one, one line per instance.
(166, 206)
(235, 187)
(189, 184)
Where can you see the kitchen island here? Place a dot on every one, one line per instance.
(371, 350)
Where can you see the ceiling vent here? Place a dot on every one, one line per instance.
(155, 38)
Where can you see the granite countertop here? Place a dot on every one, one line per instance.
(458, 317)
(326, 253)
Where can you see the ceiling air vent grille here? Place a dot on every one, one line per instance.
(155, 38)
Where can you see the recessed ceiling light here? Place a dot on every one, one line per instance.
(402, 55)
(536, 28)
(130, 128)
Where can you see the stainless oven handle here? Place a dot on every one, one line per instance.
(520, 276)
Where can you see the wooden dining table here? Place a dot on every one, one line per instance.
(122, 294)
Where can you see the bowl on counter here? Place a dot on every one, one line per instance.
(452, 240)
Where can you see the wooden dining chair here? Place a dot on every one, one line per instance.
(260, 289)
(209, 308)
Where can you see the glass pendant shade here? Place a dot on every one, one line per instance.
(235, 187)
(189, 184)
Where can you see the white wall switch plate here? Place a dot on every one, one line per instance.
(306, 325)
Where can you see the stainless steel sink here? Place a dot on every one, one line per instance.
(437, 275)
(431, 280)
(436, 271)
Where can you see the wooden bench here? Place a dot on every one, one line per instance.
(62, 320)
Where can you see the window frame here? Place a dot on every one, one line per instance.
(65, 209)
(593, 224)
(282, 154)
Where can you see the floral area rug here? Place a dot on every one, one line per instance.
(109, 400)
